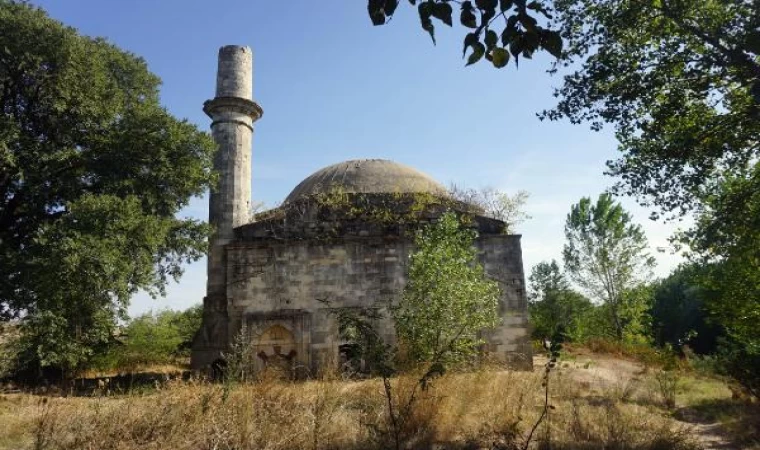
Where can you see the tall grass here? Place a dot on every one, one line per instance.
(485, 409)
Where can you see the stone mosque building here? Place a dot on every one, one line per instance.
(340, 239)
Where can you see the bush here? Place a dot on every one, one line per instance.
(667, 382)
(592, 324)
(741, 361)
(644, 353)
(152, 338)
(678, 313)
(555, 309)
(9, 337)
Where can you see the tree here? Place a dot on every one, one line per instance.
(495, 204)
(726, 241)
(555, 309)
(151, 338)
(446, 304)
(678, 79)
(679, 314)
(155, 338)
(680, 82)
(606, 254)
(447, 301)
(520, 35)
(92, 173)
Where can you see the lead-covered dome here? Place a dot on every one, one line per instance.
(367, 176)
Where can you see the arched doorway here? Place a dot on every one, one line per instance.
(276, 349)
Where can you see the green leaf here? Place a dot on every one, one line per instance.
(505, 4)
(531, 41)
(470, 40)
(510, 31)
(376, 11)
(516, 47)
(528, 22)
(442, 12)
(478, 50)
(486, 5)
(491, 39)
(500, 57)
(539, 8)
(467, 17)
(752, 42)
(426, 11)
(390, 7)
(487, 15)
(552, 43)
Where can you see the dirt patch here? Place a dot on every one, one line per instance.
(605, 376)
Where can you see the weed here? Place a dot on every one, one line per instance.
(667, 382)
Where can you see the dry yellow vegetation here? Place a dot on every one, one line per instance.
(486, 409)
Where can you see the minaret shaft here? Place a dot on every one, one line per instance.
(232, 112)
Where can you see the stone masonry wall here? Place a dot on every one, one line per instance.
(295, 283)
(501, 256)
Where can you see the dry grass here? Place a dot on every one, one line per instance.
(486, 409)
(163, 369)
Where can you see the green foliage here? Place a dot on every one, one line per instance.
(51, 346)
(634, 313)
(448, 301)
(357, 326)
(520, 35)
(741, 361)
(556, 311)
(679, 316)
(240, 359)
(726, 241)
(397, 208)
(680, 82)
(92, 173)
(592, 323)
(605, 254)
(668, 381)
(152, 338)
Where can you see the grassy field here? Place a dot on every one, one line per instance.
(597, 402)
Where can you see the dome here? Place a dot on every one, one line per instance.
(366, 176)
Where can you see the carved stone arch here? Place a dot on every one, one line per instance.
(276, 347)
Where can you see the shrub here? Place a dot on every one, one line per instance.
(667, 382)
(152, 338)
(741, 361)
(644, 353)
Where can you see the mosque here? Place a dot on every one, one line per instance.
(341, 239)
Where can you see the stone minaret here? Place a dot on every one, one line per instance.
(232, 113)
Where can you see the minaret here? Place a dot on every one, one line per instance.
(232, 114)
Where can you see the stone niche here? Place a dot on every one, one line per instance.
(280, 339)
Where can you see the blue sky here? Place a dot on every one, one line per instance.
(333, 87)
